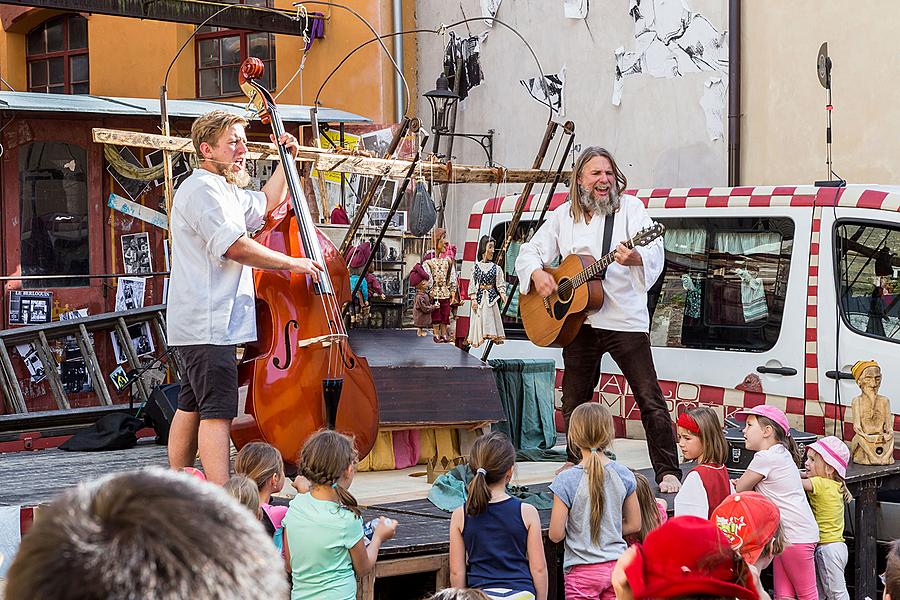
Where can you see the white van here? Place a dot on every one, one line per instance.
(829, 263)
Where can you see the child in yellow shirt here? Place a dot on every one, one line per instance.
(826, 464)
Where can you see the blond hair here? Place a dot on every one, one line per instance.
(260, 462)
(591, 430)
(243, 489)
(324, 458)
(209, 128)
(575, 208)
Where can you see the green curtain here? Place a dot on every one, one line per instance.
(526, 394)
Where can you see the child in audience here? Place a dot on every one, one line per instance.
(323, 530)
(752, 524)
(774, 473)
(496, 543)
(826, 466)
(262, 463)
(243, 490)
(653, 510)
(891, 576)
(459, 594)
(700, 438)
(594, 505)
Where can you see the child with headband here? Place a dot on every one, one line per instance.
(700, 438)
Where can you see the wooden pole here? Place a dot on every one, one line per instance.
(167, 159)
(327, 160)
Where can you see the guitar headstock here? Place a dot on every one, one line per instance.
(648, 234)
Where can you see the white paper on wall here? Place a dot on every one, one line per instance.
(551, 93)
(576, 9)
(713, 103)
(10, 536)
(489, 9)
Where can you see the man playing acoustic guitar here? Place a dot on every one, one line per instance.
(621, 326)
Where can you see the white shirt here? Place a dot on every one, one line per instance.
(692, 498)
(781, 484)
(211, 298)
(625, 288)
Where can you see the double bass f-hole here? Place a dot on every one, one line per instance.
(287, 346)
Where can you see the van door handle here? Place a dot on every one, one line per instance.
(776, 370)
(838, 375)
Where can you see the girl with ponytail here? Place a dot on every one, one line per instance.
(323, 530)
(495, 540)
(594, 506)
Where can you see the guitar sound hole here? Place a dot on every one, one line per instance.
(564, 290)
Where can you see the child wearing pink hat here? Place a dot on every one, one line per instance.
(826, 465)
(774, 472)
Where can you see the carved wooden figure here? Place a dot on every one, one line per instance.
(873, 422)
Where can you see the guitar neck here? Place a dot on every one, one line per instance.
(593, 270)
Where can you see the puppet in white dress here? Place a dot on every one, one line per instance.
(487, 294)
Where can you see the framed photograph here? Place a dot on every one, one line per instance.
(384, 195)
(130, 293)
(29, 308)
(377, 142)
(377, 216)
(136, 253)
(141, 342)
(391, 283)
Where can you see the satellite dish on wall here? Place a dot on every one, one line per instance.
(823, 66)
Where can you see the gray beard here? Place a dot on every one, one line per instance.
(598, 206)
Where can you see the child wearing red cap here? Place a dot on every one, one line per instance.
(774, 473)
(686, 557)
(594, 506)
(700, 438)
(826, 465)
(752, 523)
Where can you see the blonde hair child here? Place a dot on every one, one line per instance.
(262, 463)
(496, 543)
(773, 473)
(653, 510)
(242, 489)
(593, 518)
(323, 530)
(826, 465)
(700, 438)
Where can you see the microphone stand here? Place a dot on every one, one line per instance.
(135, 374)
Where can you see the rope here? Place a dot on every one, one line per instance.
(133, 171)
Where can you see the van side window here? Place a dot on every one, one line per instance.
(724, 283)
(868, 268)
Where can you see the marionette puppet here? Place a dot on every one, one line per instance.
(441, 270)
(359, 256)
(487, 293)
(873, 421)
(424, 304)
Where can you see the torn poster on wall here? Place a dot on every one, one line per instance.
(136, 253)
(576, 9)
(670, 40)
(551, 93)
(130, 293)
(464, 52)
(713, 103)
(489, 9)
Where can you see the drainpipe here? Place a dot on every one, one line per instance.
(734, 92)
(398, 57)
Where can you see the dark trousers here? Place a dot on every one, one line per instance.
(631, 351)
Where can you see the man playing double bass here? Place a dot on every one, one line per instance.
(621, 326)
(211, 304)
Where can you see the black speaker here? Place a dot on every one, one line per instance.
(161, 409)
(739, 457)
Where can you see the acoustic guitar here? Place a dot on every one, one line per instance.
(555, 320)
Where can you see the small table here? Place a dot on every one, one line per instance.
(863, 481)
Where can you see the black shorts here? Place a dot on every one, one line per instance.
(210, 381)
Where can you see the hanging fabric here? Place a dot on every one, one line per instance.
(753, 296)
(422, 214)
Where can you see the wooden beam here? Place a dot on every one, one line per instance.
(327, 160)
(179, 11)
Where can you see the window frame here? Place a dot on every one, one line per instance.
(243, 34)
(66, 54)
(836, 266)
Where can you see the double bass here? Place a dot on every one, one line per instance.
(302, 375)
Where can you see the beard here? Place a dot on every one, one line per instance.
(239, 178)
(599, 206)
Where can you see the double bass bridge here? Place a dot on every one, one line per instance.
(324, 340)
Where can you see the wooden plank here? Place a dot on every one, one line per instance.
(125, 341)
(341, 162)
(15, 399)
(51, 371)
(864, 542)
(22, 335)
(90, 360)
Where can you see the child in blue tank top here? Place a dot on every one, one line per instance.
(495, 539)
